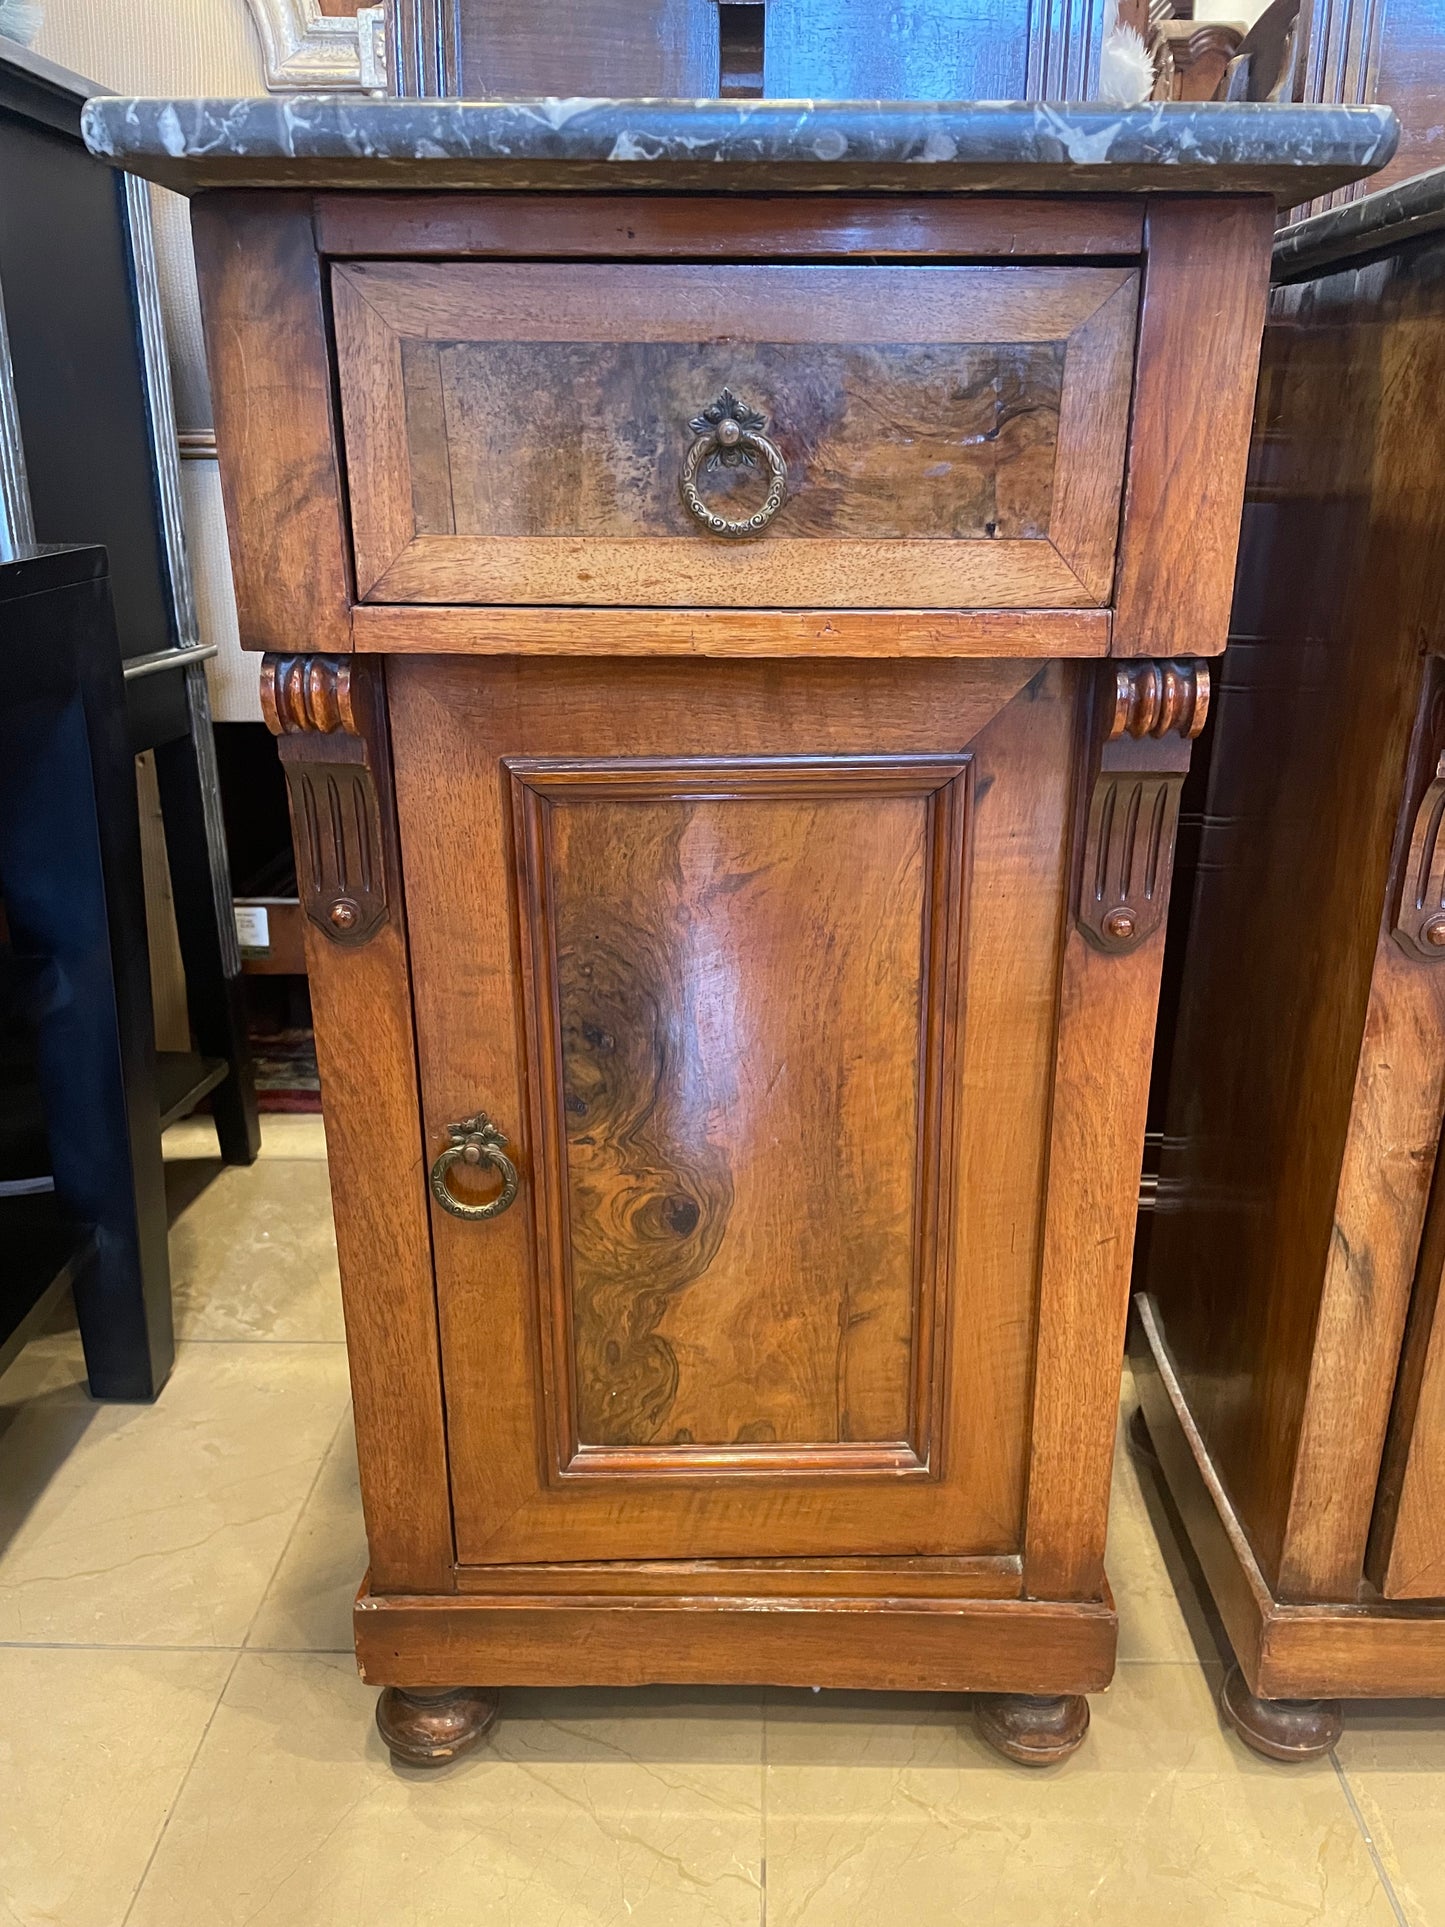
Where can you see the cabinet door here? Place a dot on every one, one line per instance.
(758, 973)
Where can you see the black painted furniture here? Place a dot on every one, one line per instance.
(89, 457)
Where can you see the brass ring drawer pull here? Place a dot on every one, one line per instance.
(729, 435)
(476, 1140)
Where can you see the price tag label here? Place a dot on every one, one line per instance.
(253, 926)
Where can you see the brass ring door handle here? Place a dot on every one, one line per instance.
(476, 1140)
(729, 435)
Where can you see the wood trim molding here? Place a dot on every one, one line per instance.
(305, 50)
(739, 227)
(508, 630)
(927, 1645)
(321, 708)
(1134, 810)
(1285, 1651)
(1138, 736)
(329, 719)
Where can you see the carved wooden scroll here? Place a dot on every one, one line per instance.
(322, 710)
(1419, 924)
(1157, 709)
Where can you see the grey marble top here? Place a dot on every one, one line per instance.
(347, 141)
(1345, 234)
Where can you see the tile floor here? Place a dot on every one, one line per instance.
(184, 1741)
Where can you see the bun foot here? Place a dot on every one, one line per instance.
(431, 1726)
(1035, 1732)
(1141, 1446)
(1279, 1729)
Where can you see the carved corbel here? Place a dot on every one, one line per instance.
(1150, 716)
(322, 709)
(1419, 920)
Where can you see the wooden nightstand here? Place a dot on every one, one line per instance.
(735, 661)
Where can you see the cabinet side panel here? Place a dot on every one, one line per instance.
(1339, 581)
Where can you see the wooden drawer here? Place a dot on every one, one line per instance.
(953, 437)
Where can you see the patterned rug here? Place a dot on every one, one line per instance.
(286, 1074)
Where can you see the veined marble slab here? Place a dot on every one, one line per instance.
(1344, 235)
(343, 141)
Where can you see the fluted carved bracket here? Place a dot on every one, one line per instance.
(1156, 710)
(1419, 922)
(321, 710)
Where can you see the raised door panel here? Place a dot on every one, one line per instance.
(942, 436)
(759, 975)
(740, 1004)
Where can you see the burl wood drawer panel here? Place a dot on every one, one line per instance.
(945, 436)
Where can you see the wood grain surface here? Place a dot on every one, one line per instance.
(1206, 276)
(732, 228)
(946, 1646)
(749, 968)
(882, 440)
(361, 1000)
(516, 433)
(1374, 1650)
(1033, 633)
(277, 443)
(1307, 1081)
(1106, 1012)
(702, 880)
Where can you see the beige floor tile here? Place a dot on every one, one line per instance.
(897, 1812)
(156, 1524)
(1393, 1754)
(93, 1747)
(1161, 1613)
(282, 1136)
(253, 1252)
(308, 1604)
(643, 1809)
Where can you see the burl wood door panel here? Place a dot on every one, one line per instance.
(952, 436)
(758, 973)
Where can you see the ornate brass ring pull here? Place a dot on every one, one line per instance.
(729, 435)
(476, 1140)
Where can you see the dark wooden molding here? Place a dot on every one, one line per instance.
(301, 693)
(1158, 709)
(1159, 699)
(320, 710)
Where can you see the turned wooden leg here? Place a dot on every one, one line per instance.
(1136, 1433)
(1035, 1732)
(431, 1726)
(1279, 1729)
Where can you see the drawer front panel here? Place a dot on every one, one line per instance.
(950, 437)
